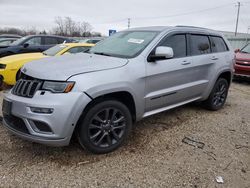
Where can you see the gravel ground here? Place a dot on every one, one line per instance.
(154, 156)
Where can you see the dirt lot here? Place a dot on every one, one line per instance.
(153, 157)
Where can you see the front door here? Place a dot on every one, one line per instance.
(172, 81)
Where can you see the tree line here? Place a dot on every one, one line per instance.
(64, 26)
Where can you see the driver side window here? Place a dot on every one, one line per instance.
(35, 41)
(177, 43)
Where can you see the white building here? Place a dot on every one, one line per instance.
(238, 41)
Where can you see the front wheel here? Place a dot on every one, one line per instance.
(104, 127)
(218, 96)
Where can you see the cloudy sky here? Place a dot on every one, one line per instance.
(113, 14)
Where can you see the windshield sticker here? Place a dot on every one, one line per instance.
(136, 41)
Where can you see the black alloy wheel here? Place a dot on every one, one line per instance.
(105, 126)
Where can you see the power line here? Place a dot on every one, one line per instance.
(168, 16)
(186, 13)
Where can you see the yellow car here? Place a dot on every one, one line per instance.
(10, 66)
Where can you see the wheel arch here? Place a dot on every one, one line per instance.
(123, 96)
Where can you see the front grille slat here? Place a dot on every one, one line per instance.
(26, 88)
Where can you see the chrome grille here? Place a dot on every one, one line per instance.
(26, 88)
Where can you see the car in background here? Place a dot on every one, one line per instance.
(10, 36)
(242, 65)
(33, 43)
(5, 42)
(10, 66)
(91, 40)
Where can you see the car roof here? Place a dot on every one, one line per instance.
(46, 36)
(178, 27)
(78, 44)
(3, 39)
(10, 35)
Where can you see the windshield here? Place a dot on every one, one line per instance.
(246, 49)
(18, 41)
(54, 50)
(125, 44)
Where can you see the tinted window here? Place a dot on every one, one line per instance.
(34, 41)
(200, 45)
(218, 44)
(92, 41)
(61, 40)
(178, 43)
(246, 49)
(5, 42)
(78, 49)
(50, 40)
(54, 50)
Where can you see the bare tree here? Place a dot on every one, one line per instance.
(68, 27)
(59, 29)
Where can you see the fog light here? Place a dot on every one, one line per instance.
(42, 110)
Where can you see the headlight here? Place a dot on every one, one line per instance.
(2, 66)
(58, 87)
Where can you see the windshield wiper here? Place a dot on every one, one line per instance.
(244, 52)
(101, 53)
(86, 51)
(44, 53)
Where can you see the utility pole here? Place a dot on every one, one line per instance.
(129, 19)
(237, 20)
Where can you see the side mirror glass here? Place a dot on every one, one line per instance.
(161, 53)
(25, 45)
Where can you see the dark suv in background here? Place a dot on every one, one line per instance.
(32, 43)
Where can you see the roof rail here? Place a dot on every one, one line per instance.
(190, 26)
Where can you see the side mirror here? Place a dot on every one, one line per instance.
(237, 50)
(25, 45)
(161, 53)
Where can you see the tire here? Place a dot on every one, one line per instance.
(104, 127)
(218, 95)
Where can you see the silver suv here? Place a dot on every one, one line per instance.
(131, 75)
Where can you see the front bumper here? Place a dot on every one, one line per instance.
(67, 109)
(242, 70)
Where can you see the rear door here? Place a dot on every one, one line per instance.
(204, 61)
(50, 42)
(169, 81)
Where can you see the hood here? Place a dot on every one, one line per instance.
(65, 66)
(21, 58)
(242, 56)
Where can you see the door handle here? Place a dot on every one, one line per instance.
(186, 63)
(214, 58)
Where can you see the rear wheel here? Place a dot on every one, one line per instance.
(218, 96)
(105, 127)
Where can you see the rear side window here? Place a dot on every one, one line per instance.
(178, 43)
(199, 45)
(50, 40)
(61, 40)
(218, 44)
